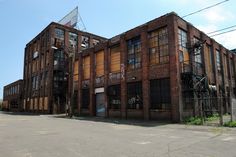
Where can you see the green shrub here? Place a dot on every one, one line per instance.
(213, 117)
(230, 124)
(193, 121)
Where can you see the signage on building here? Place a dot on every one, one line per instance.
(70, 19)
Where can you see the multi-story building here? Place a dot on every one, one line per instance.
(164, 69)
(46, 66)
(12, 96)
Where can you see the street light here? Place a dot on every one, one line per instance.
(71, 56)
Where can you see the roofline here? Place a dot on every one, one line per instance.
(67, 27)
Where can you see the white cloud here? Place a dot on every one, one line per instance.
(227, 40)
(217, 14)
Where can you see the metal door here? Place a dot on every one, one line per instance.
(100, 105)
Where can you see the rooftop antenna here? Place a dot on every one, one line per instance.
(80, 24)
(73, 19)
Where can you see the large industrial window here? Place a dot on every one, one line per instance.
(99, 63)
(85, 99)
(59, 38)
(218, 63)
(86, 67)
(134, 93)
(114, 96)
(59, 33)
(84, 42)
(134, 53)
(183, 51)
(115, 59)
(59, 57)
(73, 39)
(160, 94)
(158, 46)
(188, 100)
(197, 52)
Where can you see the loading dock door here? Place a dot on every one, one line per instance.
(100, 105)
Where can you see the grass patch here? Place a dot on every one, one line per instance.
(230, 124)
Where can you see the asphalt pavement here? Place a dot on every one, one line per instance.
(27, 135)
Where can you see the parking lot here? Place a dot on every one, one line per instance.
(52, 136)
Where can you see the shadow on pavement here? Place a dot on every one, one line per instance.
(19, 113)
(142, 123)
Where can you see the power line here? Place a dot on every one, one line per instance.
(223, 33)
(205, 8)
(221, 29)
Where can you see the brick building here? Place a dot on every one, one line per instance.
(12, 96)
(159, 70)
(46, 66)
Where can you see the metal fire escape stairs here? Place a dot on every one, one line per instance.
(195, 80)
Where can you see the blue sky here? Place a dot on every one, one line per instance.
(22, 20)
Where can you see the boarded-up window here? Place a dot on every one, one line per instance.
(86, 67)
(45, 103)
(41, 103)
(99, 63)
(76, 71)
(31, 104)
(115, 59)
(36, 104)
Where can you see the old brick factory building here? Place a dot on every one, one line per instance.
(165, 69)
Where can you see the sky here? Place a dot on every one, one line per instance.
(22, 20)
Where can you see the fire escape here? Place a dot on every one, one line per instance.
(195, 87)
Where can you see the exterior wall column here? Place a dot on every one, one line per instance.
(106, 73)
(175, 79)
(80, 83)
(91, 89)
(123, 84)
(145, 74)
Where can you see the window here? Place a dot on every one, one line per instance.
(188, 100)
(99, 63)
(209, 57)
(86, 67)
(73, 39)
(197, 52)
(134, 93)
(183, 51)
(59, 38)
(158, 46)
(115, 59)
(59, 57)
(95, 42)
(84, 42)
(182, 35)
(85, 98)
(114, 97)
(160, 94)
(59, 33)
(134, 53)
(218, 63)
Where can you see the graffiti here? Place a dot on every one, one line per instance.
(135, 102)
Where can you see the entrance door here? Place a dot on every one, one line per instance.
(100, 105)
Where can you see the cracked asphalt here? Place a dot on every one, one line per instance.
(50, 136)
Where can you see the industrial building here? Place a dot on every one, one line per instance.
(47, 63)
(165, 69)
(12, 96)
